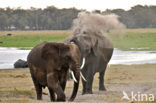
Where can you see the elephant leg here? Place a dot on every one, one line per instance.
(39, 91)
(84, 82)
(89, 83)
(38, 87)
(52, 94)
(63, 79)
(63, 85)
(84, 87)
(101, 81)
(53, 83)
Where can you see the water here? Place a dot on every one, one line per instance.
(133, 57)
(8, 56)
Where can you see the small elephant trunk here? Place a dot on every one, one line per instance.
(76, 84)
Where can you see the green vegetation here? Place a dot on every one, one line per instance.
(136, 39)
(52, 18)
(29, 39)
(132, 39)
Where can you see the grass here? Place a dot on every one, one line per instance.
(131, 39)
(135, 39)
(27, 39)
(16, 85)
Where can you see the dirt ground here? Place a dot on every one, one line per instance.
(16, 85)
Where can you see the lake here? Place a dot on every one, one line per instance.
(8, 56)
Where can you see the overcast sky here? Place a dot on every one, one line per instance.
(80, 4)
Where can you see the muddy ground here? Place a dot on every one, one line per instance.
(16, 85)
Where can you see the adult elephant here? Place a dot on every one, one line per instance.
(49, 64)
(97, 51)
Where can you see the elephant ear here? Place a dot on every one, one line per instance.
(86, 44)
(48, 50)
(54, 50)
(63, 49)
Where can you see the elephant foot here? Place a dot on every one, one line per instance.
(83, 93)
(87, 92)
(102, 88)
(39, 98)
(61, 98)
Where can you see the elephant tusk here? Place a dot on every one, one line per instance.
(83, 63)
(83, 77)
(72, 73)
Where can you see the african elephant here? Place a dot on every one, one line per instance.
(49, 64)
(97, 51)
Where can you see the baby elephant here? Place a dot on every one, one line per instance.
(49, 65)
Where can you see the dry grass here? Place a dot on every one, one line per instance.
(42, 32)
(131, 74)
(16, 85)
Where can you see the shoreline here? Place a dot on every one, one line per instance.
(107, 66)
(10, 56)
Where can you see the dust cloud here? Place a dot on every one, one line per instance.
(97, 24)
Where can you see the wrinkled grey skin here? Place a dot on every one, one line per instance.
(97, 50)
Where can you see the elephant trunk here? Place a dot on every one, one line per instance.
(76, 73)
